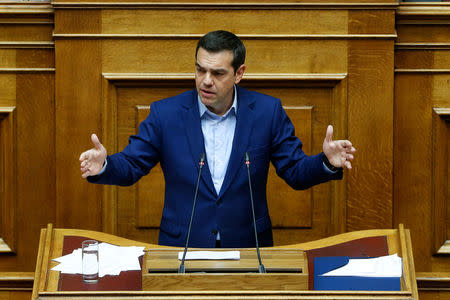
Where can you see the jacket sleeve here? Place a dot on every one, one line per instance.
(292, 164)
(140, 155)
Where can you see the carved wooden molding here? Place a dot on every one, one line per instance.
(8, 184)
(4, 247)
(422, 71)
(243, 36)
(27, 70)
(222, 5)
(433, 281)
(440, 152)
(111, 81)
(423, 9)
(422, 46)
(423, 13)
(16, 281)
(29, 8)
(27, 45)
(330, 79)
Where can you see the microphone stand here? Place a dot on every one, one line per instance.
(201, 163)
(261, 267)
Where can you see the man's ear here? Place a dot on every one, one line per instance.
(239, 73)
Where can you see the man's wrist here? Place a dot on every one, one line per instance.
(328, 164)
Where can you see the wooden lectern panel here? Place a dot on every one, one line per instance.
(218, 284)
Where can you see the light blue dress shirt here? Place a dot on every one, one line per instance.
(218, 133)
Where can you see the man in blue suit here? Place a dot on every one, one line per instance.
(224, 121)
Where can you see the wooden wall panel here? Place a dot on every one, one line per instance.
(27, 138)
(35, 156)
(280, 56)
(150, 189)
(440, 163)
(7, 89)
(135, 44)
(78, 115)
(371, 74)
(421, 137)
(242, 21)
(8, 179)
(285, 212)
(139, 207)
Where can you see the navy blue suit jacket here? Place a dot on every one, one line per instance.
(172, 135)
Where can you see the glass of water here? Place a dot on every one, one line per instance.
(89, 258)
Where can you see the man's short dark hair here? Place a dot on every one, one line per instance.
(219, 40)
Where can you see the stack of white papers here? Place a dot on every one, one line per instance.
(191, 255)
(112, 260)
(383, 266)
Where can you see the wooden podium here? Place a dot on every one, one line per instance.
(288, 268)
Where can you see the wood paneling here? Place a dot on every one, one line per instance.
(150, 190)
(99, 64)
(27, 132)
(285, 212)
(440, 200)
(370, 86)
(421, 138)
(141, 206)
(243, 21)
(78, 111)
(8, 179)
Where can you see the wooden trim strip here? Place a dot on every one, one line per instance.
(243, 36)
(430, 281)
(16, 281)
(21, 21)
(248, 76)
(7, 109)
(24, 44)
(206, 294)
(442, 111)
(27, 2)
(438, 71)
(223, 5)
(4, 248)
(445, 248)
(27, 70)
(422, 46)
(423, 9)
(7, 9)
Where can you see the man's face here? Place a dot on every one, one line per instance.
(215, 79)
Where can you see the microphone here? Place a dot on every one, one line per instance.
(261, 267)
(201, 163)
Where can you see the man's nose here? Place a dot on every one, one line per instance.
(207, 80)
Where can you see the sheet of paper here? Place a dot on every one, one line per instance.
(383, 266)
(112, 260)
(219, 255)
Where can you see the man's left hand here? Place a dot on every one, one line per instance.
(339, 153)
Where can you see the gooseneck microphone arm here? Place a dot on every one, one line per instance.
(261, 267)
(201, 163)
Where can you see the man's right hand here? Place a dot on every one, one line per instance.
(92, 160)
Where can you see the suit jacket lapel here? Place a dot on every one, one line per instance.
(244, 123)
(195, 139)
